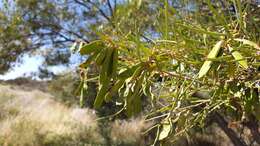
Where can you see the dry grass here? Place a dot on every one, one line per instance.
(33, 118)
(128, 132)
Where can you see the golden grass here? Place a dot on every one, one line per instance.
(128, 132)
(34, 118)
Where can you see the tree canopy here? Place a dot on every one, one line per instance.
(189, 62)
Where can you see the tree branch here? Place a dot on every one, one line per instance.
(223, 124)
(110, 8)
(252, 124)
(93, 4)
(115, 5)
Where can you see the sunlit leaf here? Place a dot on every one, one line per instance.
(247, 42)
(139, 3)
(213, 54)
(165, 130)
(126, 73)
(238, 57)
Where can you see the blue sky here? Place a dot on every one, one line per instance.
(28, 66)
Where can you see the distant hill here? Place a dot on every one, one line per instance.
(27, 84)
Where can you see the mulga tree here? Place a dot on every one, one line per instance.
(191, 62)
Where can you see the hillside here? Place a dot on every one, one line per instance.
(31, 116)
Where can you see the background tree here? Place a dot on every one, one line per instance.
(31, 25)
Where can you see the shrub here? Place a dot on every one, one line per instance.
(128, 132)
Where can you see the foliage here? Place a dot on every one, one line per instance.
(47, 27)
(64, 88)
(192, 63)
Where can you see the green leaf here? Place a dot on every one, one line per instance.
(129, 106)
(238, 57)
(88, 61)
(147, 89)
(257, 111)
(104, 79)
(213, 54)
(201, 30)
(108, 97)
(247, 42)
(128, 72)
(101, 56)
(91, 47)
(114, 62)
(134, 99)
(137, 73)
(101, 93)
(106, 68)
(84, 87)
(138, 104)
(115, 88)
(139, 3)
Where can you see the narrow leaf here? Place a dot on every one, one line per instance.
(88, 61)
(139, 3)
(134, 100)
(101, 93)
(101, 56)
(105, 68)
(91, 47)
(207, 64)
(114, 62)
(247, 42)
(128, 72)
(238, 57)
(201, 30)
